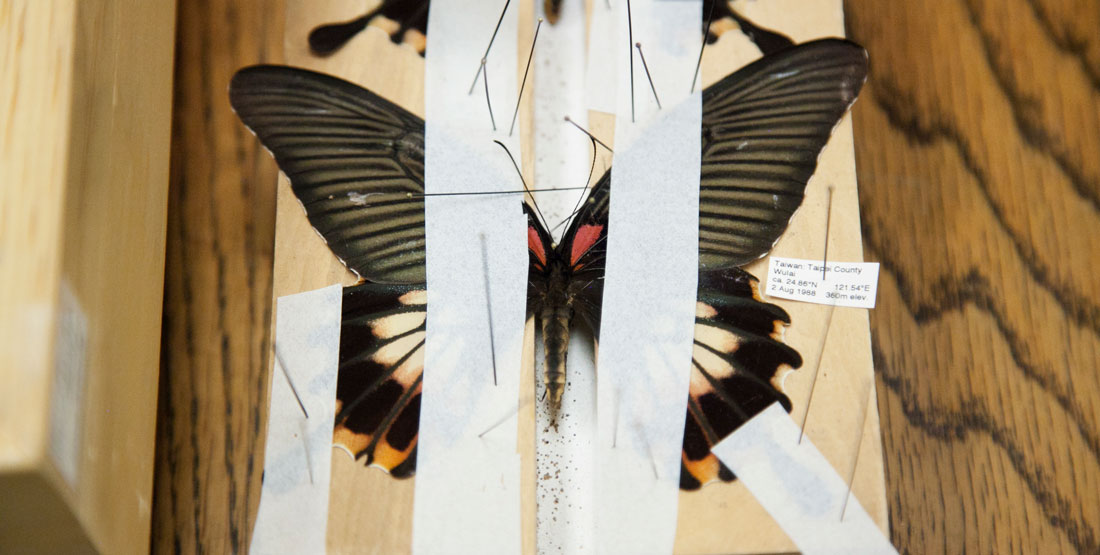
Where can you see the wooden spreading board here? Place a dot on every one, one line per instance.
(369, 510)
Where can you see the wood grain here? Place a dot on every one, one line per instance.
(976, 144)
(979, 186)
(217, 291)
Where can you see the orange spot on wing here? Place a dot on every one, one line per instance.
(388, 458)
(704, 470)
(534, 244)
(353, 442)
(586, 236)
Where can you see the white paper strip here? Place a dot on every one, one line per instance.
(564, 459)
(650, 283)
(467, 484)
(293, 512)
(798, 487)
(602, 75)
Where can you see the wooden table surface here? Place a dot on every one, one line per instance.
(978, 153)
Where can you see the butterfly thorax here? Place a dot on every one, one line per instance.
(555, 315)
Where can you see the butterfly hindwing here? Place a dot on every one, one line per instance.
(380, 374)
(406, 21)
(738, 365)
(584, 246)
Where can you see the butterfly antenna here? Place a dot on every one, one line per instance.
(524, 181)
(488, 102)
(591, 170)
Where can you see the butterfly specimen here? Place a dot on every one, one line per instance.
(406, 21)
(356, 162)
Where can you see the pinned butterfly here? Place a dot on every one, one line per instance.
(356, 162)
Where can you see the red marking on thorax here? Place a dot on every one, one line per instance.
(586, 236)
(534, 244)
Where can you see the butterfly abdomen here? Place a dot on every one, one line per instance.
(555, 341)
(555, 316)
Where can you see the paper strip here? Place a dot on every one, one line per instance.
(602, 73)
(650, 284)
(467, 484)
(798, 487)
(851, 284)
(562, 152)
(293, 513)
(564, 459)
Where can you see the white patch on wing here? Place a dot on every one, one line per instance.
(713, 365)
(699, 384)
(716, 338)
(412, 368)
(780, 377)
(703, 310)
(393, 352)
(418, 296)
(396, 324)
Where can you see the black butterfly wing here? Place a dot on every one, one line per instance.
(738, 365)
(355, 160)
(764, 127)
(407, 21)
(584, 246)
(380, 373)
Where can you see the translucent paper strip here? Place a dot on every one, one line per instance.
(293, 513)
(650, 285)
(798, 487)
(467, 481)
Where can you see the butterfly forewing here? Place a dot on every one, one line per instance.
(356, 162)
(354, 159)
(763, 129)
